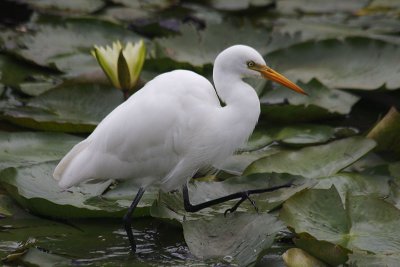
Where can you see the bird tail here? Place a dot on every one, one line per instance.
(60, 171)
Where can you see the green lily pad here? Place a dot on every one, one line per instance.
(73, 7)
(209, 43)
(34, 188)
(298, 135)
(170, 205)
(21, 75)
(356, 184)
(320, 6)
(296, 257)
(315, 161)
(283, 105)
(67, 46)
(27, 148)
(342, 64)
(229, 5)
(387, 132)
(66, 109)
(373, 260)
(363, 223)
(290, 31)
(238, 238)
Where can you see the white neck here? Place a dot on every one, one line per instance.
(240, 115)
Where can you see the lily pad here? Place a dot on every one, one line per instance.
(66, 109)
(320, 6)
(356, 184)
(73, 7)
(283, 105)
(229, 5)
(363, 223)
(315, 161)
(28, 148)
(291, 31)
(67, 46)
(387, 132)
(238, 237)
(373, 260)
(209, 43)
(34, 188)
(348, 66)
(170, 205)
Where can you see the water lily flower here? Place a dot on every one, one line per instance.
(122, 65)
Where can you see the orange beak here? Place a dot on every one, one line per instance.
(272, 75)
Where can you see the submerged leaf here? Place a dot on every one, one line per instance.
(239, 237)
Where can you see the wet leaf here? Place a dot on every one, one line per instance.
(180, 48)
(357, 184)
(238, 238)
(37, 257)
(66, 109)
(315, 161)
(373, 260)
(387, 132)
(229, 5)
(364, 223)
(296, 257)
(341, 64)
(320, 6)
(34, 188)
(73, 7)
(283, 105)
(27, 148)
(67, 46)
(170, 205)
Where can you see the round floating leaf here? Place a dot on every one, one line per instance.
(69, 109)
(34, 188)
(73, 7)
(364, 223)
(229, 5)
(315, 161)
(67, 46)
(27, 148)
(285, 105)
(239, 237)
(373, 260)
(290, 31)
(318, 6)
(342, 64)
(170, 205)
(296, 257)
(209, 42)
(356, 184)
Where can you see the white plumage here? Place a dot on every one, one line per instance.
(173, 126)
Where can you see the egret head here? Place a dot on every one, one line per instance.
(245, 61)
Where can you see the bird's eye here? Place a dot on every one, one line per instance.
(250, 64)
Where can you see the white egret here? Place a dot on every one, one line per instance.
(172, 127)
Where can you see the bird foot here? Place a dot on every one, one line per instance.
(244, 197)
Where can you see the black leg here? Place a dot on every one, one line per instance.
(128, 219)
(242, 195)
